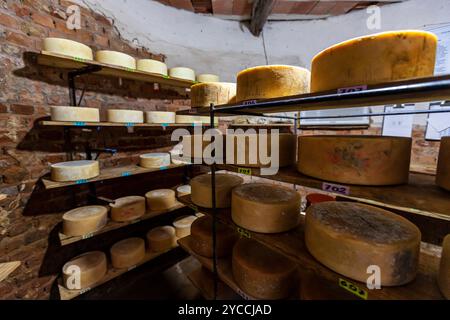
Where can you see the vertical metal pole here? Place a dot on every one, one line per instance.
(72, 90)
(214, 209)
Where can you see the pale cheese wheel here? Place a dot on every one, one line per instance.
(261, 272)
(92, 266)
(115, 58)
(161, 199)
(444, 269)
(154, 160)
(182, 226)
(206, 77)
(159, 117)
(443, 166)
(74, 170)
(127, 208)
(161, 239)
(183, 190)
(194, 147)
(203, 94)
(84, 220)
(195, 119)
(152, 66)
(125, 116)
(182, 73)
(361, 160)
(74, 114)
(274, 81)
(68, 48)
(201, 191)
(349, 237)
(265, 208)
(127, 253)
(373, 59)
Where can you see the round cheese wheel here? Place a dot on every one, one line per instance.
(84, 220)
(194, 146)
(203, 94)
(275, 81)
(362, 160)
(182, 73)
(194, 119)
(444, 268)
(92, 267)
(182, 226)
(154, 160)
(115, 58)
(443, 166)
(152, 66)
(159, 117)
(349, 237)
(127, 253)
(265, 208)
(161, 239)
(161, 199)
(125, 116)
(68, 48)
(201, 191)
(207, 78)
(74, 170)
(183, 190)
(202, 239)
(262, 273)
(72, 114)
(377, 58)
(127, 208)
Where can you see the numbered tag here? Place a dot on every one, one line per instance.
(352, 89)
(163, 168)
(131, 70)
(249, 102)
(246, 171)
(165, 77)
(335, 188)
(82, 181)
(164, 125)
(129, 125)
(197, 124)
(87, 236)
(350, 287)
(80, 124)
(79, 59)
(244, 233)
(193, 208)
(126, 174)
(85, 290)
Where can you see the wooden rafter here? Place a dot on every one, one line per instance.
(260, 12)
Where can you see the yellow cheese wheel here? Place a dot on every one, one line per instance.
(73, 114)
(159, 117)
(443, 166)
(274, 81)
(154, 160)
(349, 237)
(92, 267)
(182, 73)
(195, 119)
(127, 208)
(444, 268)
(206, 77)
(74, 170)
(377, 58)
(201, 191)
(161, 199)
(127, 253)
(203, 94)
(361, 160)
(67, 48)
(161, 239)
(182, 226)
(262, 273)
(84, 220)
(125, 116)
(152, 66)
(183, 190)
(115, 58)
(265, 208)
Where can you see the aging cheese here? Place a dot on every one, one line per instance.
(443, 167)
(127, 208)
(154, 160)
(161, 239)
(274, 81)
(68, 48)
(261, 272)
(195, 119)
(378, 58)
(349, 237)
(127, 253)
(362, 160)
(183, 190)
(125, 116)
(84, 220)
(265, 208)
(75, 170)
(203, 94)
(92, 266)
(195, 145)
(152, 66)
(74, 114)
(159, 117)
(207, 78)
(115, 58)
(201, 191)
(444, 269)
(182, 73)
(182, 226)
(161, 199)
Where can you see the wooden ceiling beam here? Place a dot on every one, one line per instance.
(260, 12)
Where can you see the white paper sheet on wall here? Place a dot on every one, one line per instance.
(399, 125)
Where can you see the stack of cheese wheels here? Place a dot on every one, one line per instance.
(159, 117)
(378, 58)
(161, 199)
(67, 48)
(362, 160)
(203, 94)
(202, 239)
(349, 237)
(265, 208)
(154, 160)
(195, 119)
(84, 220)
(127, 253)
(266, 82)
(261, 272)
(125, 116)
(161, 238)
(182, 73)
(182, 226)
(201, 191)
(444, 268)
(183, 190)
(115, 58)
(74, 170)
(127, 208)
(74, 114)
(206, 77)
(92, 267)
(152, 66)
(443, 167)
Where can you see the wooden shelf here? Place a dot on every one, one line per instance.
(112, 124)
(203, 280)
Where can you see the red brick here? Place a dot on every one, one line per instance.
(20, 39)
(3, 108)
(22, 109)
(101, 41)
(22, 11)
(43, 20)
(8, 21)
(222, 6)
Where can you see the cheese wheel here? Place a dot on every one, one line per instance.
(262, 273)
(183, 190)
(159, 117)
(92, 267)
(265, 208)
(152, 66)
(274, 81)
(377, 58)
(443, 166)
(202, 239)
(201, 191)
(203, 94)
(161, 199)
(182, 73)
(127, 253)
(361, 160)
(194, 147)
(444, 269)
(154, 160)
(84, 220)
(207, 78)
(115, 58)
(72, 114)
(127, 208)
(125, 116)
(74, 170)
(195, 119)
(182, 226)
(349, 237)
(68, 48)
(161, 239)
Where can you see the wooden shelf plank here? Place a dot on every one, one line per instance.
(112, 124)
(203, 280)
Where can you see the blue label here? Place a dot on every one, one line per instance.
(196, 124)
(129, 124)
(80, 124)
(163, 168)
(81, 181)
(164, 125)
(126, 174)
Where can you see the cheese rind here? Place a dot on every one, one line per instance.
(127, 253)
(152, 66)
(125, 116)
(183, 190)
(201, 191)
(443, 166)
(203, 94)
(68, 48)
(154, 160)
(161, 239)
(127, 208)
(182, 73)
(92, 266)
(182, 226)
(84, 220)
(159, 117)
(161, 199)
(115, 58)
(74, 170)
(74, 114)
(206, 77)
(444, 268)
